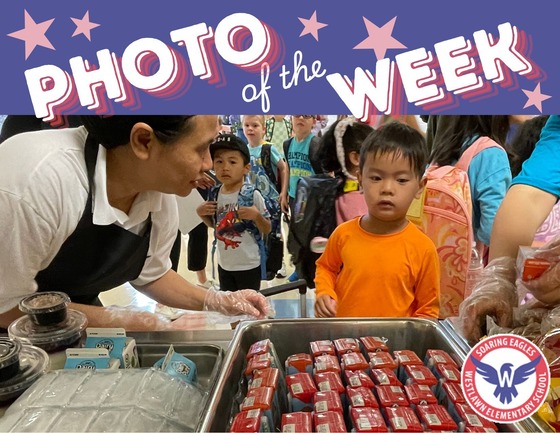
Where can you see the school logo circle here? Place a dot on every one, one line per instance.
(505, 378)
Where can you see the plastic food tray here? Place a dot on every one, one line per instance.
(293, 336)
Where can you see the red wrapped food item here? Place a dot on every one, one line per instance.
(353, 361)
(329, 422)
(382, 360)
(322, 347)
(435, 418)
(447, 372)
(407, 357)
(297, 422)
(357, 378)
(450, 395)
(419, 374)
(265, 377)
(301, 390)
(259, 362)
(329, 381)
(346, 345)
(250, 421)
(438, 356)
(402, 419)
(384, 376)
(299, 363)
(472, 420)
(391, 396)
(367, 419)
(261, 398)
(327, 401)
(327, 363)
(374, 344)
(420, 394)
(361, 397)
(259, 348)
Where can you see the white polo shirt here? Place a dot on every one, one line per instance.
(43, 194)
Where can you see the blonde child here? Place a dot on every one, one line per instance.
(380, 264)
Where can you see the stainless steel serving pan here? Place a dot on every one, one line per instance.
(293, 336)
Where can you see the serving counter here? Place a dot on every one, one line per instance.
(220, 356)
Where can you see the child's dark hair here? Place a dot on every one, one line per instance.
(447, 134)
(343, 137)
(400, 140)
(524, 142)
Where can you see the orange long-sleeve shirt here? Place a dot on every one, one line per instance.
(369, 275)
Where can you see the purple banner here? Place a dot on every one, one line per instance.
(361, 57)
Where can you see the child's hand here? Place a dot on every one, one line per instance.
(284, 203)
(208, 208)
(248, 213)
(325, 306)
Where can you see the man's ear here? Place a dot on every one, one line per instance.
(421, 186)
(142, 139)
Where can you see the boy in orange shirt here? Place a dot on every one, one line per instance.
(380, 265)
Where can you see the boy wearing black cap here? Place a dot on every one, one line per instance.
(237, 212)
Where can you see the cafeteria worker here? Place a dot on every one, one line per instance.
(84, 210)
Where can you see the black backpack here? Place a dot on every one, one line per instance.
(314, 216)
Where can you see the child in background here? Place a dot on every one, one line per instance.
(241, 217)
(339, 153)
(489, 172)
(380, 264)
(278, 129)
(275, 188)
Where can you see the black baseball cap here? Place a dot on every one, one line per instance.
(231, 142)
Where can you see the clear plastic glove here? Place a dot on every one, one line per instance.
(495, 295)
(546, 288)
(241, 303)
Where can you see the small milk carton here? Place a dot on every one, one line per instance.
(391, 396)
(326, 422)
(117, 344)
(435, 418)
(384, 376)
(382, 360)
(262, 398)
(90, 359)
(299, 363)
(420, 394)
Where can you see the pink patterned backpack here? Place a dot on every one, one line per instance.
(447, 220)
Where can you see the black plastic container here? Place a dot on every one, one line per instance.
(9, 358)
(45, 308)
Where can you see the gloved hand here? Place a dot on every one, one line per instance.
(241, 303)
(546, 288)
(494, 295)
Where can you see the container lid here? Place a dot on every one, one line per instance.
(44, 302)
(61, 333)
(33, 361)
(9, 351)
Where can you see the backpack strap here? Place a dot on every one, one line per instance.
(269, 128)
(266, 160)
(287, 148)
(246, 198)
(474, 149)
(213, 196)
(288, 127)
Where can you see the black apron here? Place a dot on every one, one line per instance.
(95, 258)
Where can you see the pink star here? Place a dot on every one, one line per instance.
(379, 39)
(33, 34)
(84, 26)
(311, 26)
(536, 98)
